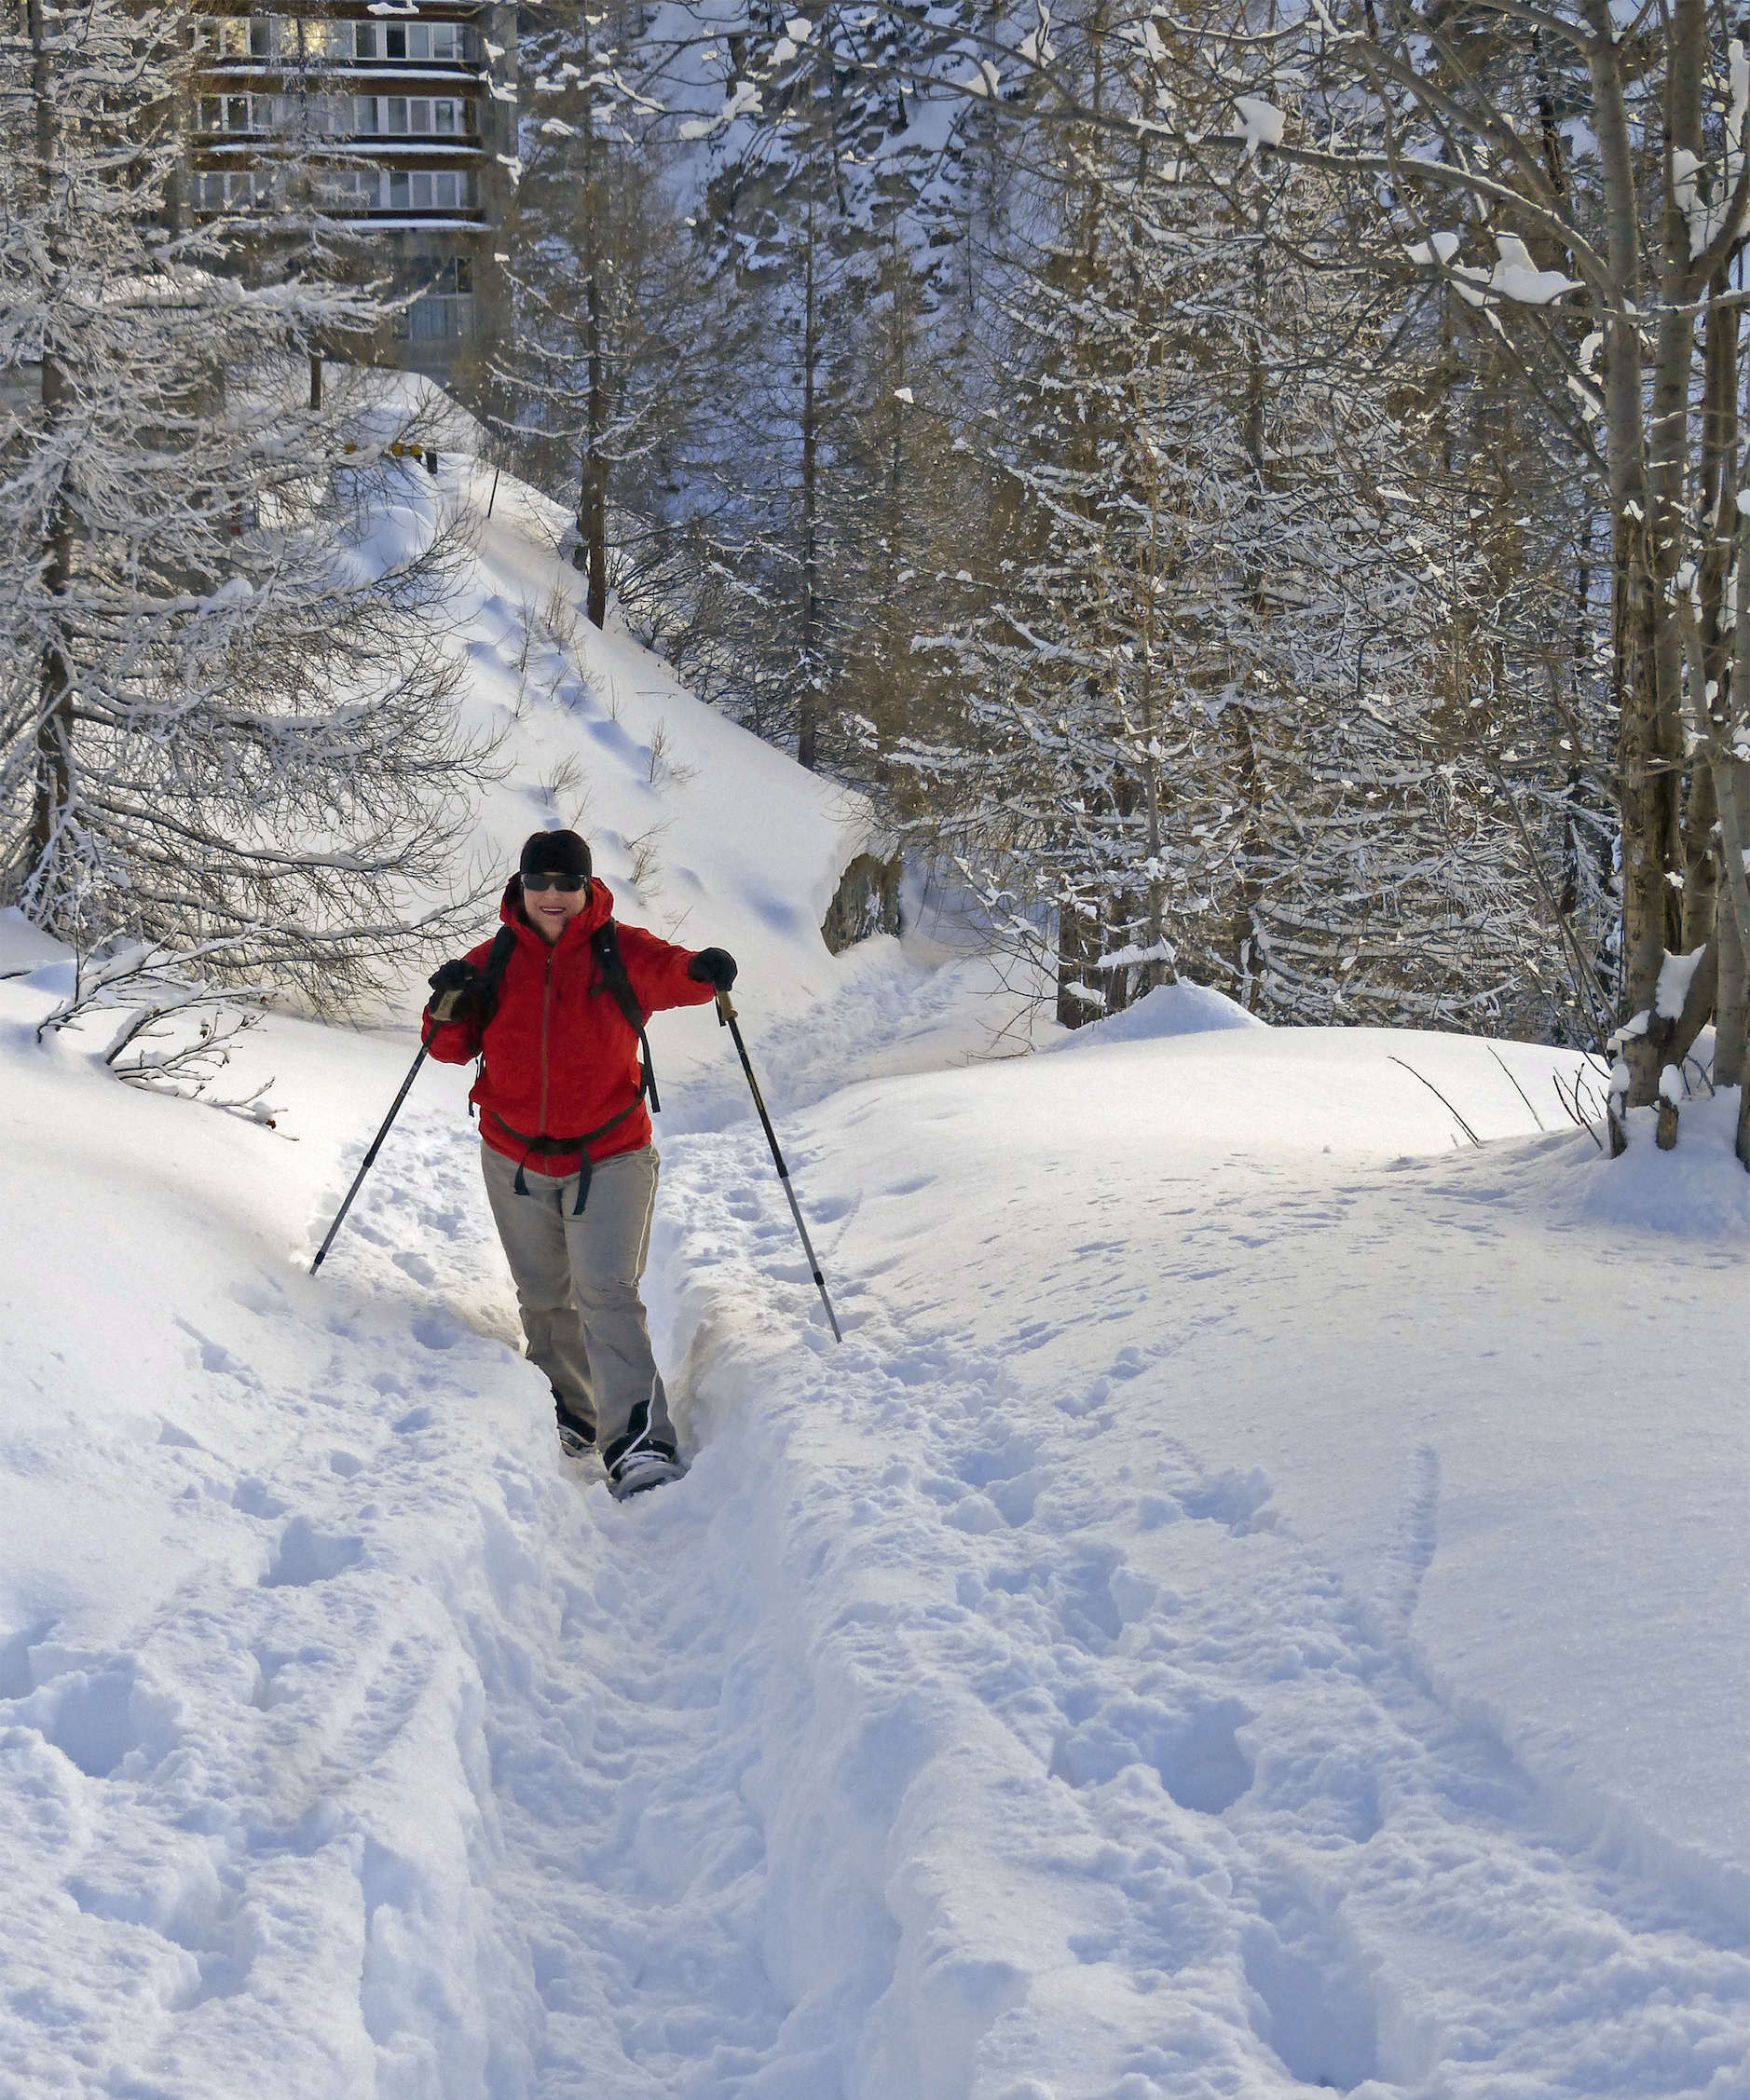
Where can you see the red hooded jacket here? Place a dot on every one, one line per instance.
(559, 1057)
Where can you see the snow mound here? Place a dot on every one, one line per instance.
(1697, 1192)
(1227, 1617)
(1180, 1009)
(1241, 1612)
(24, 947)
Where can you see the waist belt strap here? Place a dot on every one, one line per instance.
(579, 1145)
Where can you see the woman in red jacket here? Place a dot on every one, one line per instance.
(566, 1144)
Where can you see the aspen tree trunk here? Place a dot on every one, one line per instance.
(1710, 701)
(1732, 779)
(1247, 889)
(807, 704)
(1072, 1012)
(53, 785)
(593, 521)
(1731, 1058)
(1157, 970)
(889, 715)
(591, 516)
(1645, 495)
(1730, 1014)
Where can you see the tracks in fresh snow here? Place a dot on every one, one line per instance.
(1146, 1792)
(915, 1745)
(941, 1736)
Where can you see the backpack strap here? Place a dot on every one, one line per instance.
(492, 976)
(605, 947)
(491, 983)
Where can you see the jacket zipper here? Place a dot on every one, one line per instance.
(546, 1007)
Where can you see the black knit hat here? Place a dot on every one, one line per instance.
(555, 852)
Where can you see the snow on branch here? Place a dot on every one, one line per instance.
(174, 1030)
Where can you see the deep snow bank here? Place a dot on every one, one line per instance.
(1546, 1335)
(1179, 1645)
(1255, 1634)
(1255, 1605)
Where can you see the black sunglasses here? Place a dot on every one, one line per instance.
(552, 879)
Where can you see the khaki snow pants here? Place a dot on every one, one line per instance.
(577, 1287)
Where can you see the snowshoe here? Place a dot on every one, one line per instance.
(638, 1470)
(577, 1437)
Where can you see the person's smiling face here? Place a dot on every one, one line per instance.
(550, 910)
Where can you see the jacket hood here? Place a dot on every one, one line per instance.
(598, 912)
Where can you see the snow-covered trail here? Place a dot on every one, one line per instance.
(924, 1742)
(1175, 1808)
(964, 1726)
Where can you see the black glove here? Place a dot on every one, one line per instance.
(714, 966)
(455, 988)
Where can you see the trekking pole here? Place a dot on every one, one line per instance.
(726, 1018)
(377, 1145)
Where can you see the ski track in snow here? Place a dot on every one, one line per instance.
(874, 1759)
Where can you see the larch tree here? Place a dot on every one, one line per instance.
(224, 685)
(828, 199)
(612, 352)
(1208, 697)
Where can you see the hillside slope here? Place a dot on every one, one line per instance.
(704, 833)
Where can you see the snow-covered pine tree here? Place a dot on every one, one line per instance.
(1205, 694)
(829, 200)
(224, 719)
(617, 348)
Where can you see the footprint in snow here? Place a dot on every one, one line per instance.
(436, 1331)
(1320, 2017)
(94, 1710)
(1196, 1753)
(254, 1498)
(305, 1555)
(1235, 1499)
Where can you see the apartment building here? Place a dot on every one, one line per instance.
(397, 119)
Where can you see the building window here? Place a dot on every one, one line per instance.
(236, 37)
(444, 42)
(356, 189)
(445, 311)
(226, 36)
(325, 39)
(417, 116)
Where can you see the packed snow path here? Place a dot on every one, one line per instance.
(953, 1729)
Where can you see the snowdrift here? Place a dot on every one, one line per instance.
(1227, 1619)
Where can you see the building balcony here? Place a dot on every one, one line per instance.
(287, 40)
(451, 194)
(366, 118)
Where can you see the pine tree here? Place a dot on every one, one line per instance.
(603, 373)
(1205, 700)
(831, 201)
(1581, 178)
